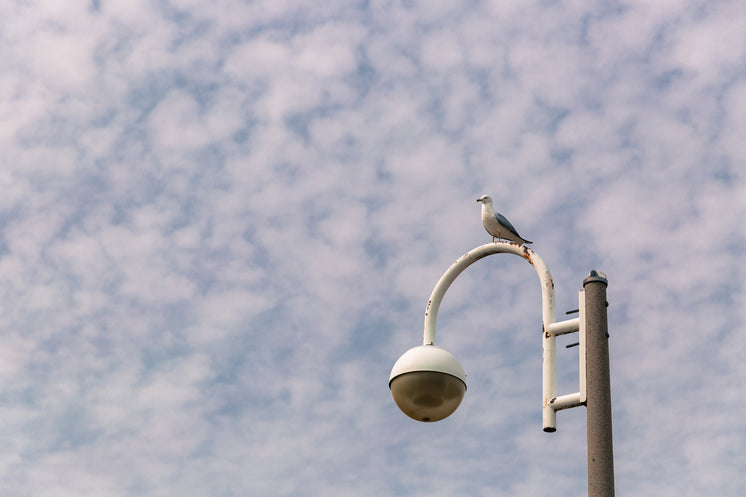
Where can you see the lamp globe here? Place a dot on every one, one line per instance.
(427, 383)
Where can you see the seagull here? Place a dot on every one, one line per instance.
(496, 224)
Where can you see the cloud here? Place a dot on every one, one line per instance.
(219, 227)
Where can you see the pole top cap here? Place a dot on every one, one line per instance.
(594, 275)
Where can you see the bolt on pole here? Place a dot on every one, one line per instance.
(598, 403)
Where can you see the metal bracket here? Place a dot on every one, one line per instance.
(562, 328)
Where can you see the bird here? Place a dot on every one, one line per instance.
(496, 224)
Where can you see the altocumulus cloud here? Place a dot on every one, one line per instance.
(219, 225)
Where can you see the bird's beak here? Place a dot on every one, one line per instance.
(479, 200)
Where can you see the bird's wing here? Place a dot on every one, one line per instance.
(502, 220)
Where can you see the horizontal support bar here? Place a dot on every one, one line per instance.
(565, 401)
(564, 327)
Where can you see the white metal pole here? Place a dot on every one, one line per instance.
(549, 380)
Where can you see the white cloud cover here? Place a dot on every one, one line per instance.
(220, 223)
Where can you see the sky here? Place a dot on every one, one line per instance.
(220, 223)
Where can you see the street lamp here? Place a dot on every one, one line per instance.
(428, 383)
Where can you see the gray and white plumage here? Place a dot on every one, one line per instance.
(496, 224)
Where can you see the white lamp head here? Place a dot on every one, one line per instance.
(427, 383)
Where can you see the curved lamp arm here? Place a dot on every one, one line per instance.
(469, 258)
(547, 318)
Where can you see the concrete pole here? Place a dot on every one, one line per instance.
(598, 412)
